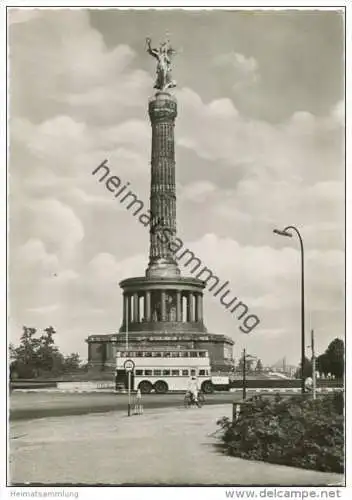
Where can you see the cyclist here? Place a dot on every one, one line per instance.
(193, 388)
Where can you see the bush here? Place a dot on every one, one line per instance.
(296, 431)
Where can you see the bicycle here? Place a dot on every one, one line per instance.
(190, 401)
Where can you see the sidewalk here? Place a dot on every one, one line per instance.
(168, 446)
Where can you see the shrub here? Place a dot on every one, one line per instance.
(296, 431)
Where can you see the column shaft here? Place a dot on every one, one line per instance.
(191, 306)
(129, 310)
(135, 308)
(199, 307)
(178, 306)
(188, 302)
(125, 309)
(147, 309)
(163, 305)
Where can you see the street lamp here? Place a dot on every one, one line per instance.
(286, 232)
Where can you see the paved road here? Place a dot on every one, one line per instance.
(174, 446)
(30, 405)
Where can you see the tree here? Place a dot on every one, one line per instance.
(41, 357)
(50, 358)
(336, 355)
(240, 365)
(72, 362)
(25, 357)
(36, 356)
(322, 365)
(332, 361)
(249, 363)
(307, 369)
(259, 366)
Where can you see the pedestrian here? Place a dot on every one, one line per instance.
(138, 403)
(308, 383)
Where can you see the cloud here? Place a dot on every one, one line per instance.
(302, 147)
(33, 253)
(73, 70)
(245, 70)
(48, 310)
(197, 192)
(22, 15)
(56, 224)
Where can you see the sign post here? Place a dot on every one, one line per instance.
(129, 367)
(129, 394)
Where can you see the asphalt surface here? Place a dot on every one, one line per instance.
(29, 405)
(170, 446)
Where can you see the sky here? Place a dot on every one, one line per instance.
(259, 144)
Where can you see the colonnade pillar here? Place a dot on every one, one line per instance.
(178, 306)
(163, 305)
(147, 308)
(135, 308)
(199, 316)
(194, 303)
(191, 306)
(127, 309)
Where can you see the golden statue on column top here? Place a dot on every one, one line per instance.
(163, 55)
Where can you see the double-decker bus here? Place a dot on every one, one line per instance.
(162, 370)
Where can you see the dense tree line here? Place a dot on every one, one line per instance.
(37, 355)
(331, 362)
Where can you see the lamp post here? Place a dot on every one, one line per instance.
(286, 232)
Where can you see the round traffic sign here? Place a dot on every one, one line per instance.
(128, 365)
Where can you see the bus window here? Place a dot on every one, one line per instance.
(139, 372)
(201, 373)
(157, 373)
(148, 354)
(185, 354)
(175, 354)
(202, 354)
(157, 354)
(193, 372)
(193, 354)
(185, 373)
(148, 372)
(118, 354)
(166, 373)
(175, 372)
(167, 355)
(139, 354)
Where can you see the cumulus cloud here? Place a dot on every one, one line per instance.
(198, 191)
(56, 224)
(245, 70)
